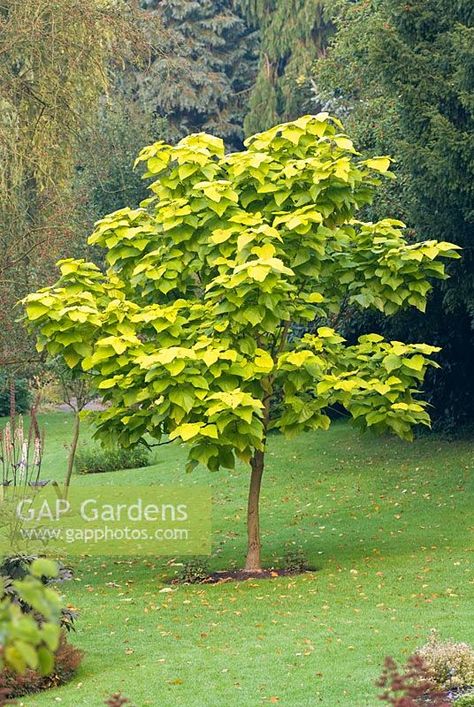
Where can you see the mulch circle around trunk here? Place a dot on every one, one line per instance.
(242, 576)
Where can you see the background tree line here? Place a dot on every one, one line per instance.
(85, 84)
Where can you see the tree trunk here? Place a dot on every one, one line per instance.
(253, 562)
(72, 453)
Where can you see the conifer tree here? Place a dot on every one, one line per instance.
(201, 78)
(293, 34)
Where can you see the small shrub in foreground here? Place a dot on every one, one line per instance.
(465, 701)
(450, 664)
(34, 652)
(18, 568)
(67, 659)
(30, 636)
(117, 700)
(194, 570)
(95, 459)
(295, 560)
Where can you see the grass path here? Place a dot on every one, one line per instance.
(387, 524)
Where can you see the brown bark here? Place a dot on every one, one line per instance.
(72, 453)
(253, 561)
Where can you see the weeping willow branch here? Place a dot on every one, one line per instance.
(57, 60)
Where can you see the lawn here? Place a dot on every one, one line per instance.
(385, 523)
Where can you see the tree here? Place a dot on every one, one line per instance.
(401, 74)
(201, 77)
(293, 34)
(76, 393)
(55, 64)
(187, 332)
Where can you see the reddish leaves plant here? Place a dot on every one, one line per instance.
(412, 687)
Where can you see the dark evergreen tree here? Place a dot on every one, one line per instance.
(293, 34)
(401, 74)
(201, 77)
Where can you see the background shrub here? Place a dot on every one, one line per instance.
(92, 459)
(22, 395)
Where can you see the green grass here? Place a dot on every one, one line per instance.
(385, 523)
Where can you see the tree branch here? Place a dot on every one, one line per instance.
(158, 444)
